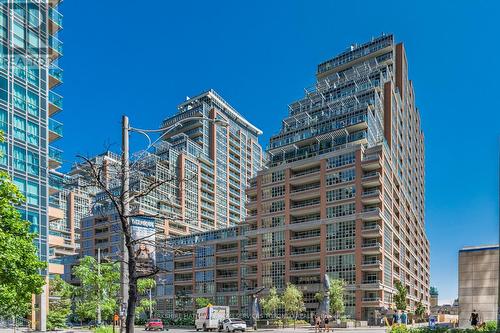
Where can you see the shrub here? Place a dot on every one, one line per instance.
(104, 329)
(398, 328)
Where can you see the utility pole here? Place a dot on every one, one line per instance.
(126, 207)
(99, 287)
(150, 305)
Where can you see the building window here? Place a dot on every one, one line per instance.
(19, 97)
(32, 193)
(32, 102)
(341, 210)
(32, 133)
(340, 160)
(340, 236)
(32, 218)
(19, 34)
(341, 193)
(3, 153)
(19, 128)
(33, 163)
(19, 159)
(340, 177)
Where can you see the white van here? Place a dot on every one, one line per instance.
(211, 317)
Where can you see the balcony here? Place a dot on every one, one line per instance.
(55, 48)
(55, 157)
(371, 265)
(309, 250)
(54, 3)
(55, 21)
(55, 103)
(55, 130)
(371, 248)
(371, 284)
(371, 214)
(370, 197)
(56, 183)
(308, 205)
(55, 76)
(371, 162)
(371, 179)
(373, 230)
(371, 301)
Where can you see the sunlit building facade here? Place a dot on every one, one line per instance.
(342, 194)
(29, 75)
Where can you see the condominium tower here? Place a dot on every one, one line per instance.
(203, 168)
(28, 74)
(342, 194)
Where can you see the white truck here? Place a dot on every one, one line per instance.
(211, 317)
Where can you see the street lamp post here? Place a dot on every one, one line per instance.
(125, 172)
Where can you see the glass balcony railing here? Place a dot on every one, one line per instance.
(56, 99)
(55, 154)
(55, 16)
(54, 202)
(56, 72)
(56, 181)
(56, 45)
(55, 126)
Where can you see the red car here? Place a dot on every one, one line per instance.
(154, 324)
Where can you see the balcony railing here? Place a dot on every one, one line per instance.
(55, 154)
(56, 72)
(55, 17)
(370, 245)
(56, 99)
(55, 126)
(371, 281)
(371, 174)
(371, 262)
(371, 299)
(56, 45)
(305, 172)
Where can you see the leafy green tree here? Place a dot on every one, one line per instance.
(400, 296)
(419, 309)
(145, 288)
(336, 293)
(96, 288)
(59, 303)
(271, 302)
(19, 264)
(201, 302)
(293, 301)
(337, 290)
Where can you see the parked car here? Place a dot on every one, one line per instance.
(154, 325)
(234, 324)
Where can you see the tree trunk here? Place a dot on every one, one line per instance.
(132, 292)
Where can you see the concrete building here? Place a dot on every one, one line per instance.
(478, 283)
(29, 76)
(70, 200)
(342, 194)
(434, 295)
(204, 169)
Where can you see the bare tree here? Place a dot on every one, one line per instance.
(105, 180)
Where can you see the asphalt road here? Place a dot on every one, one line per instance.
(286, 330)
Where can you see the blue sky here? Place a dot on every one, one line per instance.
(142, 58)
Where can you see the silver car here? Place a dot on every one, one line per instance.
(234, 324)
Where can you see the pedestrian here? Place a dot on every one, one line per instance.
(317, 323)
(327, 327)
(474, 319)
(404, 318)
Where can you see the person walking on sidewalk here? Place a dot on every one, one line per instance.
(317, 322)
(327, 326)
(474, 319)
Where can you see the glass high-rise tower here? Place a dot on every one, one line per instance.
(29, 72)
